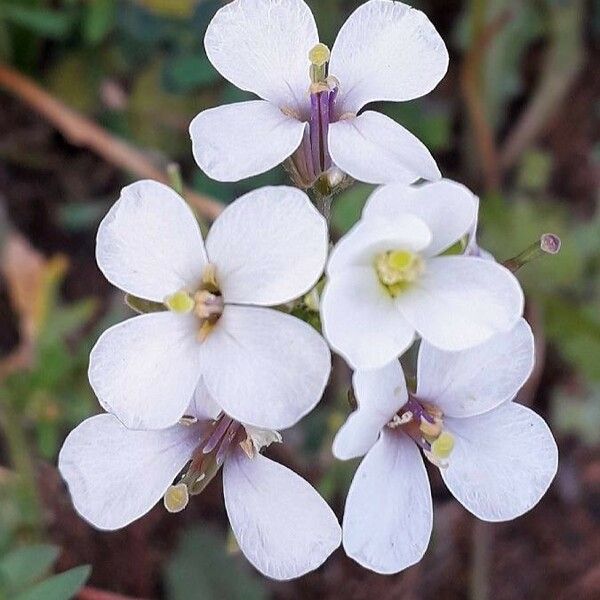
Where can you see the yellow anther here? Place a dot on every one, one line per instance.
(442, 447)
(319, 55)
(180, 302)
(176, 498)
(398, 268)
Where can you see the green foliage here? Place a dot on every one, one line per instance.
(59, 587)
(221, 576)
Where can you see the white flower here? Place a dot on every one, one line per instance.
(267, 368)
(386, 280)
(115, 475)
(496, 457)
(311, 97)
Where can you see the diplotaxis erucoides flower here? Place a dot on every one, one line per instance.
(267, 368)
(387, 278)
(116, 475)
(311, 97)
(497, 457)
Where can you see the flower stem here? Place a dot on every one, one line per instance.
(549, 243)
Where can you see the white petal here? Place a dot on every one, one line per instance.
(269, 246)
(375, 149)
(361, 321)
(115, 475)
(380, 394)
(502, 463)
(144, 370)
(281, 523)
(370, 236)
(149, 243)
(241, 140)
(474, 381)
(203, 406)
(460, 302)
(388, 516)
(448, 208)
(264, 367)
(387, 51)
(262, 46)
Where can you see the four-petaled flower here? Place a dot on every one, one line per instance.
(386, 279)
(115, 475)
(497, 457)
(267, 367)
(311, 97)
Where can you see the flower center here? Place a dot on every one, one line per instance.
(206, 302)
(216, 439)
(423, 422)
(397, 269)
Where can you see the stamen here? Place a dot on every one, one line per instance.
(209, 278)
(176, 498)
(442, 447)
(398, 268)
(319, 57)
(180, 302)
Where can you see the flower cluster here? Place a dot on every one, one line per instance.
(220, 360)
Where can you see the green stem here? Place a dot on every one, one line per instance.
(548, 243)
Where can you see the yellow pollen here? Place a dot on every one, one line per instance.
(442, 447)
(176, 498)
(180, 302)
(398, 268)
(319, 55)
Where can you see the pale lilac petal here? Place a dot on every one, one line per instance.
(269, 247)
(203, 406)
(460, 302)
(502, 463)
(115, 475)
(375, 149)
(386, 51)
(145, 370)
(360, 319)
(474, 381)
(236, 141)
(369, 237)
(264, 367)
(282, 525)
(149, 243)
(448, 209)
(380, 394)
(388, 516)
(262, 46)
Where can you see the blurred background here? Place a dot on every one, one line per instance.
(97, 93)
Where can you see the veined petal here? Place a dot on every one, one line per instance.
(115, 475)
(361, 321)
(145, 370)
(474, 381)
(388, 516)
(380, 394)
(386, 51)
(236, 141)
(502, 463)
(269, 246)
(262, 46)
(460, 302)
(375, 149)
(266, 368)
(282, 525)
(448, 208)
(149, 243)
(359, 247)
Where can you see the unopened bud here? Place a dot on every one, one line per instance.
(176, 498)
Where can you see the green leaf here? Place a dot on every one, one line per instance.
(24, 566)
(60, 587)
(220, 575)
(50, 23)
(98, 21)
(189, 71)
